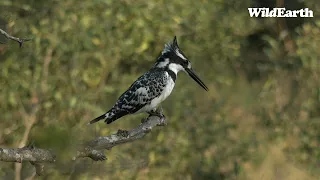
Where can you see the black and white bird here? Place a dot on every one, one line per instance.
(154, 86)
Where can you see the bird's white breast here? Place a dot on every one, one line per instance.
(164, 94)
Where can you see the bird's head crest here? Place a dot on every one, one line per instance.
(171, 46)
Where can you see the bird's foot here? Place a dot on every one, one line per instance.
(158, 112)
(143, 120)
(123, 133)
(155, 113)
(162, 122)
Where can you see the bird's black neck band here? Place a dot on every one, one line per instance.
(172, 74)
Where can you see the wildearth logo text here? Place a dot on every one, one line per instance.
(279, 12)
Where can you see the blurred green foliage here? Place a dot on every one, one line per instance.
(264, 87)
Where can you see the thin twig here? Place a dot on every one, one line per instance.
(29, 121)
(19, 40)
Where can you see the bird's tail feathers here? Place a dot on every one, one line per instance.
(103, 116)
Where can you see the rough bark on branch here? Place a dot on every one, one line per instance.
(19, 40)
(33, 155)
(93, 149)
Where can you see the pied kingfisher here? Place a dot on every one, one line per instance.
(153, 87)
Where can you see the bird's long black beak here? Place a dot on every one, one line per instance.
(196, 78)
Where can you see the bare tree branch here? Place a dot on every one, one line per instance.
(34, 155)
(19, 40)
(93, 149)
